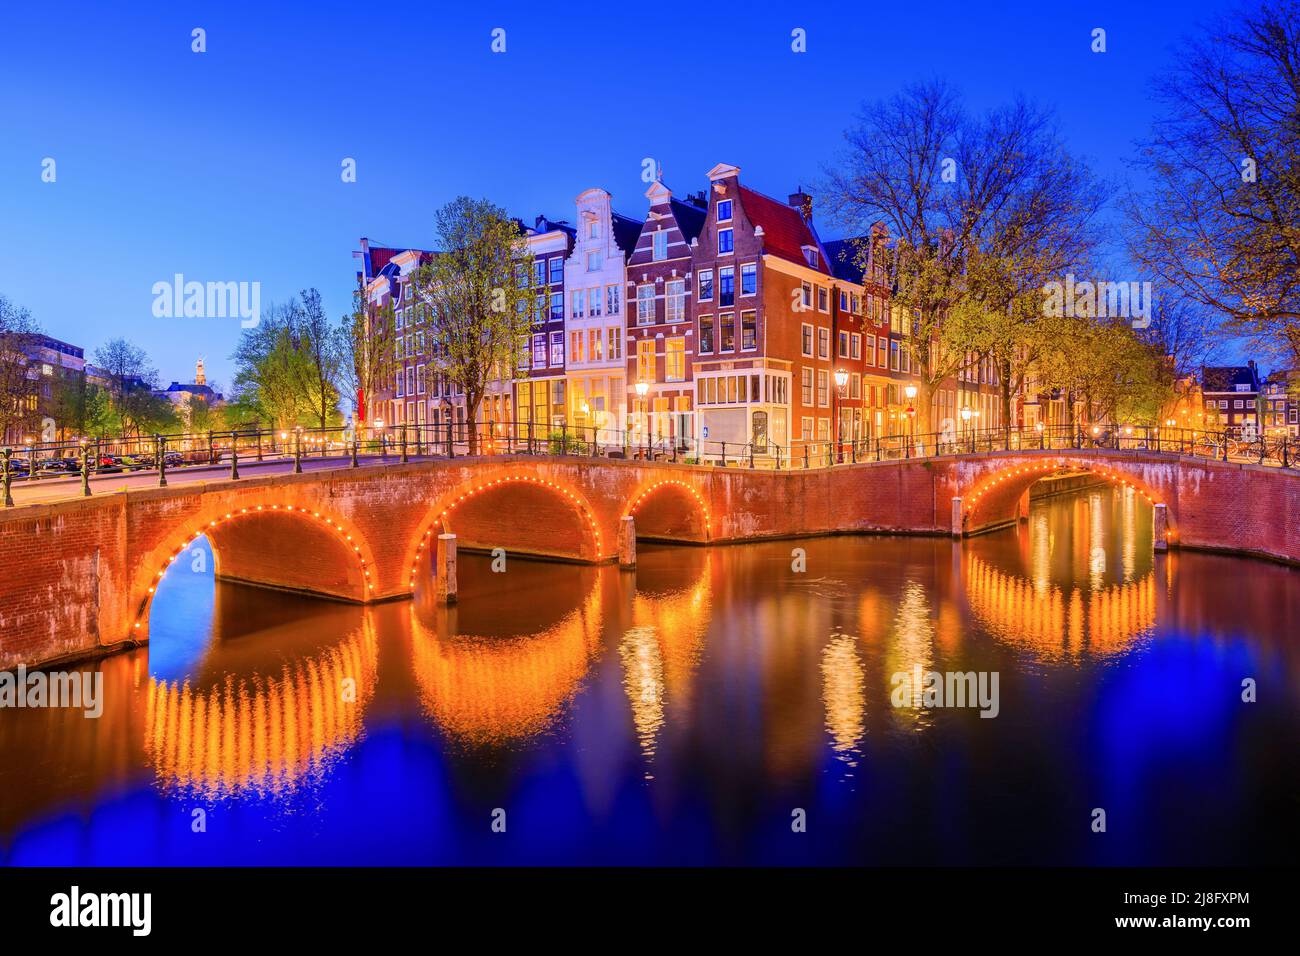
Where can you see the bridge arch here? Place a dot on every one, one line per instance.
(248, 544)
(669, 509)
(996, 498)
(466, 512)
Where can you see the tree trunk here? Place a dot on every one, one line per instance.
(472, 404)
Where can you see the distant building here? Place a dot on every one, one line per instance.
(181, 394)
(57, 373)
(1231, 396)
(1280, 405)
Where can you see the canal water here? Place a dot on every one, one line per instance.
(745, 704)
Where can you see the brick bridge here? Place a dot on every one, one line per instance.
(79, 575)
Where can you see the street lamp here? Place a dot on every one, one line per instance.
(910, 392)
(841, 379)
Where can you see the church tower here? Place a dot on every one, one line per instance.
(200, 377)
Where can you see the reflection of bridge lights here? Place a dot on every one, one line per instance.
(578, 504)
(267, 735)
(969, 503)
(336, 526)
(1103, 622)
(699, 500)
(486, 691)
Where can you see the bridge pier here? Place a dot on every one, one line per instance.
(1022, 507)
(1160, 529)
(627, 542)
(444, 569)
(956, 516)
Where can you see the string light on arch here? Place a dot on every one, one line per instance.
(970, 502)
(699, 500)
(334, 526)
(574, 499)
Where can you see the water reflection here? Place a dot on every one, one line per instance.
(265, 735)
(676, 714)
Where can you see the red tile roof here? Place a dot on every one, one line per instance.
(784, 231)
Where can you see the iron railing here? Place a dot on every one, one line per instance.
(163, 454)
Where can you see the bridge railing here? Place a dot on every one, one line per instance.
(85, 458)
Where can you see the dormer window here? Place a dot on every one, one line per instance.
(724, 210)
(810, 256)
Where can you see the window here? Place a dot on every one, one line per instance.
(539, 351)
(748, 331)
(557, 348)
(855, 385)
(843, 338)
(823, 429)
(882, 352)
(539, 272)
(593, 302)
(594, 260)
(660, 245)
(823, 387)
(675, 300)
(578, 301)
(728, 322)
(595, 352)
(645, 305)
(810, 256)
(706, 333)
(844, 301)
(806, 429)
(593, 229)
(806, 386)
(557, 306)
(806, 339)
(706, 285)
(613, 298)
(855, 303)
(614, 343)
(419, 379)
(749, 278)
(727, 286)
(575, 347)
(645, 360)
(675, 360)
(805, 297)
(724, 210)
(893, 354)
(855, 346)
(823, 300)
(557, 269)
(725, 241)
(401, 379)
(823, 343)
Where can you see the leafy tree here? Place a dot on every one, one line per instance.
(476, 299)
(272, 369)
(131, 381)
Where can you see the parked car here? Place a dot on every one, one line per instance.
(58, 465)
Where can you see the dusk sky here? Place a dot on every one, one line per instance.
(225, 165)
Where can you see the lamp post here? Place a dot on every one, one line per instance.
(841, 380)
(31, 457)
(641, 389)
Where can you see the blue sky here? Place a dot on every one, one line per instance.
(225, 165)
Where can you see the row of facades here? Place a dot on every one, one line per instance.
(729, 308)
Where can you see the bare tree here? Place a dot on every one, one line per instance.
(17, 389)
(1220, 218)
(131, 381)
(321, 342)
(985, 209)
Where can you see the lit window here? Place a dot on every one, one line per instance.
(725, 241)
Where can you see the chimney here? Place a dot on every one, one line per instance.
(803, 202)
(697, 199)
